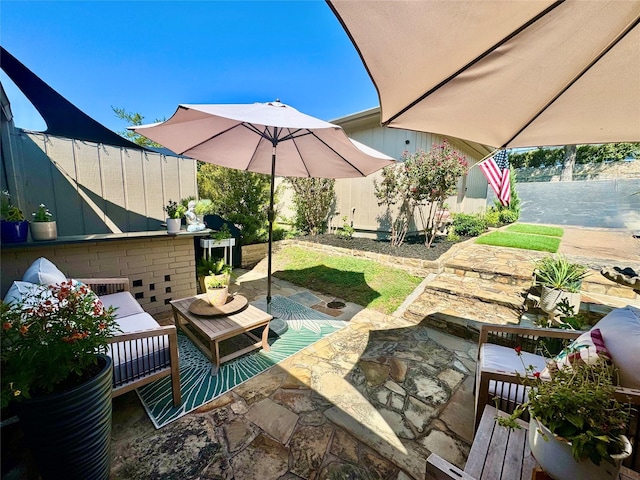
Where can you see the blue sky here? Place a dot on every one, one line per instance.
(150, 56)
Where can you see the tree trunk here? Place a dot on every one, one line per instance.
(569, 163)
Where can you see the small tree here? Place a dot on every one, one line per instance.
(422, 182)
(238, 196)
(313, 199)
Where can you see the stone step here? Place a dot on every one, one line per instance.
(487, 291)
(458, 307)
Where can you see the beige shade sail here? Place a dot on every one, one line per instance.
(503, 73)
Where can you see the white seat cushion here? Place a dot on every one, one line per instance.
(124, 302)
(620, 331)
(44, 272)
(505, 359)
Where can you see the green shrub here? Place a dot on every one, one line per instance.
(313, 199)
(492, 217)
(508, 216)
(452, 236)
(346, 231)
(469, 225)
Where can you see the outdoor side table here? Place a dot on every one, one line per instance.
(228, 243)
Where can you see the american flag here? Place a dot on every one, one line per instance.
(496, 169)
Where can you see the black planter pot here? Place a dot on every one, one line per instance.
(69, 433)
(14, 232)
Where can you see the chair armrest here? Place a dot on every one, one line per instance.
(525, 337)
(152, 332)
(105, 286)
(439, 469)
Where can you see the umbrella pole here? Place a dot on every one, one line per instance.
(271, 216)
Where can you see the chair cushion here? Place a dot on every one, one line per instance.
(43, 272)
(124, 302)
(621, 333)
(506, 359)
(133, 359)
(18, 290)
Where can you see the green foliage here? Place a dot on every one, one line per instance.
(237, 196)
(422, 182)
(50, 339)
(214, 282)
(510, 213)
(134, 119)
(549, 157)
(175, 209)
(469, 225)
(347, 230)
(557, 272)
(566, 320)
(211, 266)
(577, 403)
(520, 240)
(492, 217)
(204, 206)
(42, 214)
(9, 212)
(452, 236)
(313, 199)
(221, 234)
(507, 216)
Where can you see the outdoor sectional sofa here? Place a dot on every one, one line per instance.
(143, 352)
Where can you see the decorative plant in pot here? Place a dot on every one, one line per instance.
(43, 226)
(56, 375)
(175, 212)
(204, 206)
(559, 279)
(217, 289)
(207, 268)
(577, 426)
(13, 227)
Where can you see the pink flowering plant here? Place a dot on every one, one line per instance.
(50, 339)
(577, 404)
(420, 184)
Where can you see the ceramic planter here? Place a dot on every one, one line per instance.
(69, 433)
(14, 232)
(173, 225)
(217, 296)
(43, 231)
(555, 458)
(550, 297)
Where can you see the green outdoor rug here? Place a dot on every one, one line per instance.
(306, 326)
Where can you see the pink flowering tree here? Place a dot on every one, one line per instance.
(421, 183)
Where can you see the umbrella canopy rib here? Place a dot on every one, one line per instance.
(576, 78)
(302, 160)
(471, 63)
(207, 139)
(341, 156)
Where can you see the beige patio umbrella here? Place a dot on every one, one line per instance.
(271, 138)
(503, 73)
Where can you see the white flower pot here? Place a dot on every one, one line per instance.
(550, 297)
(555, 458)
(173, 225)
(42, 231)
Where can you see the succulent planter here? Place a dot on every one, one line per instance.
(44, 231)
(550, 297)
(217, 296)
(554, 456)
(14, 232)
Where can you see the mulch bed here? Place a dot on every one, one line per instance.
(413, 247)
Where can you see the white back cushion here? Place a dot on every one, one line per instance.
(19, 290)
(620, 331)
(44, 272)
(124, 303)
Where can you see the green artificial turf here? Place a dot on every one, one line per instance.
(535, 229)
(524, 241)
(364, 282)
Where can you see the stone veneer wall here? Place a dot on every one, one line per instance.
(159, 269)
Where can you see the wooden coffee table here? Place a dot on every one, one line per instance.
(207, 332)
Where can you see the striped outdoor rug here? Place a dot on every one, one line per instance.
(306, 326)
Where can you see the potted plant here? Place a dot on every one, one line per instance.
(216, 267)
(576, 425)
(57, 377)
(217, 289)
(13, 227)
(559, 279)
(175, 212)
(43, 226)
